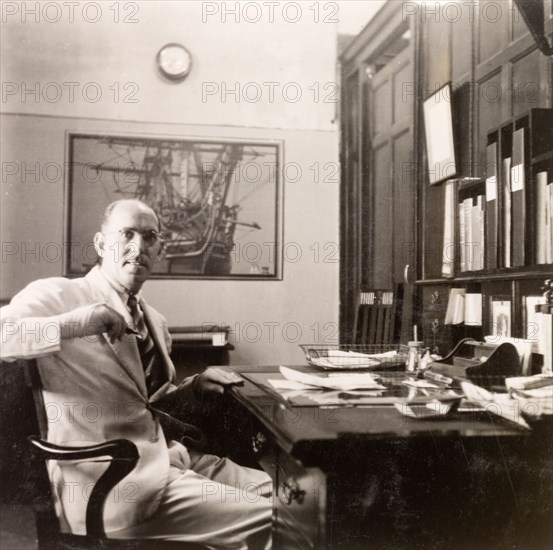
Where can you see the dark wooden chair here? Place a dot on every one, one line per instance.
(24, 476)
(376, 315)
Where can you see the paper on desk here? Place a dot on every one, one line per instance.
(333, 381)
(536, 401)
(323, 397)
(352, 359)
(497, 403)
(290, 385)
(299, 387)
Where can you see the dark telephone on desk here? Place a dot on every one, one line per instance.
(482, 363)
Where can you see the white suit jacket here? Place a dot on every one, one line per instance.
(94, 391)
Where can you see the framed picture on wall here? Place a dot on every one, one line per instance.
(501, 316)
(219, 201)
(438, 127)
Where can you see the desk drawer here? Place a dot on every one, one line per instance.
(300, 505)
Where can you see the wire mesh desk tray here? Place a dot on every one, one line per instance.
(356, 356)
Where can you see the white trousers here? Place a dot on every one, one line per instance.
(210, 500)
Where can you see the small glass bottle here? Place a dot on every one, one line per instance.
(414, 356)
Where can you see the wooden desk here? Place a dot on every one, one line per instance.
(357, 478)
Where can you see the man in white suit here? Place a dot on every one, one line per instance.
(103, 356)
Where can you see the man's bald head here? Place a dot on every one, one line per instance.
(133, 204)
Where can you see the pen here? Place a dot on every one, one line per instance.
(438, 377)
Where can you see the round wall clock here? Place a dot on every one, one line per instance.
(174, 61)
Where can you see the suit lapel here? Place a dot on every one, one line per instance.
(126, 350)
(156, 326)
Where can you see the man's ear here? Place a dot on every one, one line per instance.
(99, 244)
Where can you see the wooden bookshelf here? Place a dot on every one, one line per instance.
(499, 279)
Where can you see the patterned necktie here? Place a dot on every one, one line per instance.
(144, 340)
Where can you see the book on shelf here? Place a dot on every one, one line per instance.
(455, 312)
(473, 309)
(518, 199)
(477, 221)
(492, 218)
(462, 242)
(449, 249)
(469, 251)
(544, 219)
(463, 307)
(472, 233)
(549, 237)
(507, 225)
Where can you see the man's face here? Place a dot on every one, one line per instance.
(129, 245)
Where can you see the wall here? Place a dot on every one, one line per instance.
(118, 59)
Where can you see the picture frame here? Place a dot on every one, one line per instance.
(439, 136)
(500, 316)
(219, 201)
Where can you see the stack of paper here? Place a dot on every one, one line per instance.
(339, 359)
(334, 381)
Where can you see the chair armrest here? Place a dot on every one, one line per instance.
(121, 449)
(124, 456)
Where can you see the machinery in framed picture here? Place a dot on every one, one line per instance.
(219, 200)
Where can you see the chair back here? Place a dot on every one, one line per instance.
(18, 420)
(375, 317)
(23, 475)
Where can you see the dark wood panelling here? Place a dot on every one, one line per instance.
(350, 203)
(519, 27)
(382, 115)
(494, 34)
(433, 228)
(461, 122)
(381, 261)
(489, 98)
(461, 43)
(403, 94)
(435, 333)
(527, 92)
(404, 198)
(437, 55)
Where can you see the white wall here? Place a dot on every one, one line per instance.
(105, 55)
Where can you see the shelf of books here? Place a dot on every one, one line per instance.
(502, 224)
(495, 235)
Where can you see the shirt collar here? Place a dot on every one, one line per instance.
(122, 292)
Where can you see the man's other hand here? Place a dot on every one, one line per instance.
(215, 380)
(92, 320)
